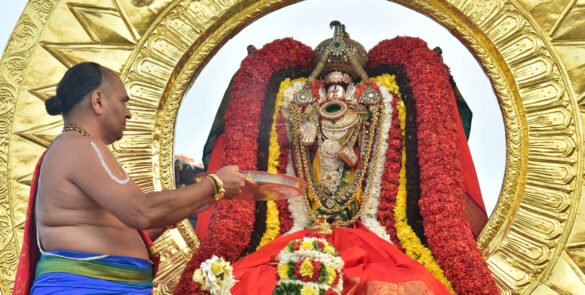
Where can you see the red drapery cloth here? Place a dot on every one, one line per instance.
(474, 207)
(372, 266)
(29, 253)
(215, 163)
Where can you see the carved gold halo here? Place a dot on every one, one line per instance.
(535, 239)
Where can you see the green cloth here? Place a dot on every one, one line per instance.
(94, 269)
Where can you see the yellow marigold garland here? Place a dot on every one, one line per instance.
(272, 222)
(408, 239)
(388, 81)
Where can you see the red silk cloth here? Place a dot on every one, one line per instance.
(29, 253)
(368, 259)
(474, 206)
(215, 163)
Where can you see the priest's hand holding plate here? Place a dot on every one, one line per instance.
(257, 185)
(233, 181)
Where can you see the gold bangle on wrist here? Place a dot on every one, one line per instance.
(218, 185)
(213, 183)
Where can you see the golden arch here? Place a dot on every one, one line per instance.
(531, 51)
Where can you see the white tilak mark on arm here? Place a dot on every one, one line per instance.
(112, 176)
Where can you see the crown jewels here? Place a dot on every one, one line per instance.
(338, 77)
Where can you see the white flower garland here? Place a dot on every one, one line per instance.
(371, 208)
(301, 216)
(296, 256)
(288, 97)
(215, 275)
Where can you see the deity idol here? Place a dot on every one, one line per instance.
(392, 203)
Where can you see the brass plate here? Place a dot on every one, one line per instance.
(269, 187)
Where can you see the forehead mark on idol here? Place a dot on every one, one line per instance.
(108, 170)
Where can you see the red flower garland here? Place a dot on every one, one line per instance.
(284, 215)
(391, 176)
(316, 88)
(315, 274)
(233, 220)
(448, 232)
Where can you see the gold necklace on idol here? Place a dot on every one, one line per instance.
(372, 146)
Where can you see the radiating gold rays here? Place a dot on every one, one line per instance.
(564, 27)
(562, 20)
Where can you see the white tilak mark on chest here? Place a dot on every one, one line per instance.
(112, 176)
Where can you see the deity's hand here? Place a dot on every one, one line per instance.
(308, 133)
(233, 181)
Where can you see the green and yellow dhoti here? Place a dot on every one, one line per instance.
(85, 273)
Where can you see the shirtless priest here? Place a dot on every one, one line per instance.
(85, 237)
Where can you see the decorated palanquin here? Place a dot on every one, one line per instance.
(392, 204)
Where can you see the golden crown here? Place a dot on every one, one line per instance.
(340, 53)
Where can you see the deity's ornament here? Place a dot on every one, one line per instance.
(340, 54)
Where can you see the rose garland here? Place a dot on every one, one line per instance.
(447, 230)
(230, 231)
(309, 266)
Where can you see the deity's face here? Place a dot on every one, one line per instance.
(335, 92)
